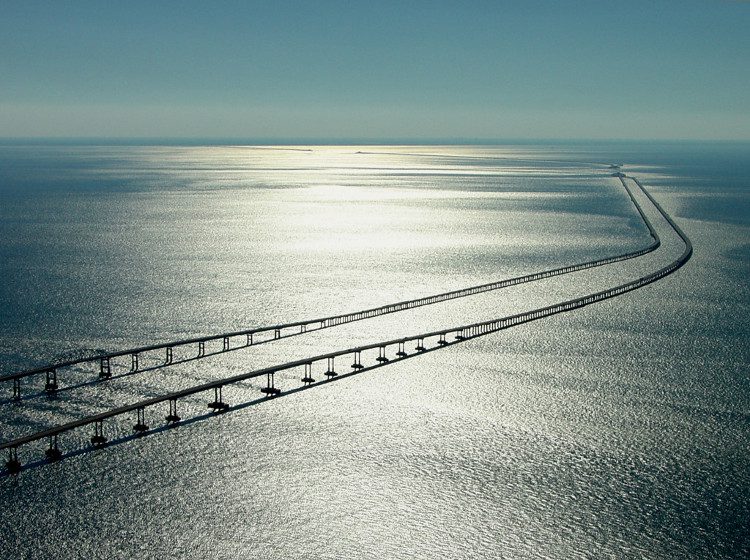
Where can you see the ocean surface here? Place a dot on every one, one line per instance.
(619, 430)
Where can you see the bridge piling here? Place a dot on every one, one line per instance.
(50, 384)
(98, 439)
(53, 453)
(382, 358)
(330, 372)
(13, 464)
(269, 390)
(105, 368)
(308, 379)
(172, 417)
(357, 360)
(218, 405)
(140, 426)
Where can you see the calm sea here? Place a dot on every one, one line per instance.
(621, 430)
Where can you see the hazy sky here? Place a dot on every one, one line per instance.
(376, 69)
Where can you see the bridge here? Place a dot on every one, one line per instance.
(103, 367)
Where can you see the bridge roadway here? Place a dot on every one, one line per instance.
(437, 339)
(261, 335)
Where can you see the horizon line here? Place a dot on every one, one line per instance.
(339, 141)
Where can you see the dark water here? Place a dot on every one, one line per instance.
(619, 430)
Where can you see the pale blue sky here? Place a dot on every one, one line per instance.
(377, 69)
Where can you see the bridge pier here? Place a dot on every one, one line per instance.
(98, 439)
(169, 356)
(382, 358)
(401, 350)
(330, 371)
(13, 464)
(140, 426)
(276, 334)
(307, 379)
(460, 335)
(442, 341)
(172, 417)
(53, 453)
(133, 362)
(249, 341)
(225, 346)
(357, 360)
(420, 345)
(16, 389)
(218, 405)
(302, 329)
(105, 368)
(201, 349)
(50, 384)
(269, 389)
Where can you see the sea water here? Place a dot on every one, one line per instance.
(618, 430)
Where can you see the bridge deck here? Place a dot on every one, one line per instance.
(460, 334)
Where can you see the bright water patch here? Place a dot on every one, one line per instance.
(618, 430)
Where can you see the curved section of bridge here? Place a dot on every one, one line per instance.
(388, 351)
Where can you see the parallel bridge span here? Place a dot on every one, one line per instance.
(437, 339)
